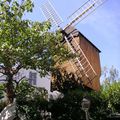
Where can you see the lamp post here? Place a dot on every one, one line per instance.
(85, 106)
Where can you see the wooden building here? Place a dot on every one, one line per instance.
(86, 65)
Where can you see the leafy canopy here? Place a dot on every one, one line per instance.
(25, 43)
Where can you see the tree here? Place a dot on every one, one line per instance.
(25, 44)
(114, 97)
(111, 88)
(110, 75)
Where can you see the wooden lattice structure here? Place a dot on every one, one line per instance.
(86, 65)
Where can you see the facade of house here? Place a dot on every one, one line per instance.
(33, 77)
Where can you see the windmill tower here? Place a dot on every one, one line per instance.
(87, 65)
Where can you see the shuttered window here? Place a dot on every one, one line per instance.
(32, 78)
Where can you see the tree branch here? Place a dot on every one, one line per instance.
(17, 82)
(20, 79)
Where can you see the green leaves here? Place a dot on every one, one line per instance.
(31, 101)
(111, 88)
(1, 91)
(112, 92)
(28, 5)
(27, 42)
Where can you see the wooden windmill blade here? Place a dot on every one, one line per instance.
(51, 14)
(86, 9)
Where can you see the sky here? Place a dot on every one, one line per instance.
(102, 27)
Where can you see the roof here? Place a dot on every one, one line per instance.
(77, 33)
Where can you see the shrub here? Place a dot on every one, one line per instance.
(31, 101)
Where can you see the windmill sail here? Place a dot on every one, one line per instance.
(84, 11)
(51, 14)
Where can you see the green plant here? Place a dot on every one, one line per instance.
(1, 91)
(99, 106)
(31, 101)
(26, 44)
(2, 105)
(69, 107)
(111, 88)
(112, 92)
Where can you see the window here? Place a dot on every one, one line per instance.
(32, 78)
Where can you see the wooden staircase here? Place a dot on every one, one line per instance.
(81, 65)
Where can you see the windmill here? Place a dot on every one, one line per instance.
(82, 66)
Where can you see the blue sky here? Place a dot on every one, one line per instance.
(102, 27)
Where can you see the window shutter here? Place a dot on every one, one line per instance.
(32, 78)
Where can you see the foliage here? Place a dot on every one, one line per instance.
(107, 100)
(111, 89)
(63, 82)
(112, 92)
(2, 102)
(114, 96)
(2, 105)
(69, 107)
(1, 90)
(26, 44)
(110, 75)
(99, 106)
(103, 103)
(31, 101)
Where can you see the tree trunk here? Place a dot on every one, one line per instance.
(10, 89)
